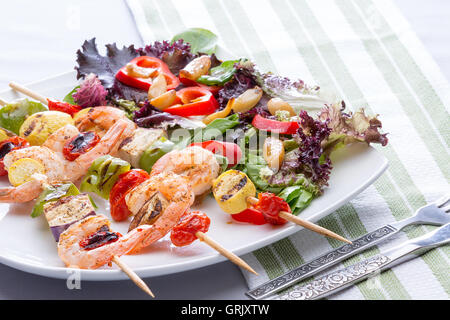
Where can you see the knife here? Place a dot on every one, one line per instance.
(343, 278)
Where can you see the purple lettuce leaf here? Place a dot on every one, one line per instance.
(308, 163)
(91, 92)
(176, 55)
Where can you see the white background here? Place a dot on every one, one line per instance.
(39, 39)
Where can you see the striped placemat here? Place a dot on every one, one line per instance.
(366, 52)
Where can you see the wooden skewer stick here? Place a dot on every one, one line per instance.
(133, 276)
(226, 253)
(304, 223)
(3, 102)
(28, 92)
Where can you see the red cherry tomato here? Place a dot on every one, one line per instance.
(250, 215)
(63, 107)
(126, 182)
(184, 232)
(99, 238)
(80, 144)
(227, 149)
(8, 145)
(270, 205)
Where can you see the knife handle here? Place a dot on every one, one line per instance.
(336, 281)
(321, 263)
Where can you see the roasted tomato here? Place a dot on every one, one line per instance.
(270, 206)
(184, 232)
(80, 144)
(9, 145)
(126, 182)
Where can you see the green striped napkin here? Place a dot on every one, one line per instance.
(366, 52)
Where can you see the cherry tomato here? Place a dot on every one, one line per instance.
(80, 144)
(270, 205)
(227, 149)
(126, 182)
(63, 107)
(250, 215)
(99, 238)
(184, 232)
(9, 145)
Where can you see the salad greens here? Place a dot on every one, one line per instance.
(13, 115)
(323, 124)
(200, 40)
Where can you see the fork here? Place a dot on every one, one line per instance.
(434, 213)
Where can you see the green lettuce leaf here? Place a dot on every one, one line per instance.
(201, 40)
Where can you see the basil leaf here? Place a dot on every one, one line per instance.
(69, 98)
(201, 40)
(220, 74)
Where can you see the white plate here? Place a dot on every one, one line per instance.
(27, 244)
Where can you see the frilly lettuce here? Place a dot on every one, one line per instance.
(298, 94)
(91, 92)
(350, 127)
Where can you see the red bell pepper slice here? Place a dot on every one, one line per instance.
(282, 127)
(145, 83)
(196, 101)
(63, 107)
(227, 149)
(250, 215)
(191, 83)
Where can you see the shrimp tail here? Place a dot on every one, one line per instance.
(25, 192)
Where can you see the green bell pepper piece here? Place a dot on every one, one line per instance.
(53, 193)
(220, 74)
(14, 114)
(103, 174)
(159, 148)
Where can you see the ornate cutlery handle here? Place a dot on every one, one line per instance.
(325, 261)
(336, 281)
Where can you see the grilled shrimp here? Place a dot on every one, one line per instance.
(159, 201)
(58, 138)
(195, 163)
(56, 167)
(25, 192)
(101, 119)
(74, 255)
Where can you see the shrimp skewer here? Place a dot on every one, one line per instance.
(159, 201)
(73, 254)
(56, 167)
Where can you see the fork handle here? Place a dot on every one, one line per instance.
(323, 262)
